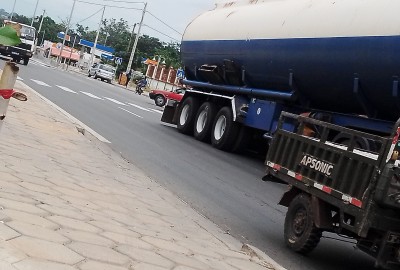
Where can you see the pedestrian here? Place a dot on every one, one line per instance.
(128, 78)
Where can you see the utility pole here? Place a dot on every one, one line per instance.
(128, 68)
(40, 29)
(130, 39)
(34, 13)
(97, 37)
(66, 32)
(12, 12)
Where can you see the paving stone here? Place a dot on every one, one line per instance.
(147, 266)
(39, 188)
(37, 231)
(46, 250)
(111, 206)
(20, 206)
(164, 244)
(112, 228)
(181, 259)
(9, 253)
(7, 233)
(20, 197)
(93, 265)
(35, 264)
(63, 211)
(74, 224)
(127, 240)
(87, 237)
(7, 266)
(99, 253)
(145, 256)
(29, 218)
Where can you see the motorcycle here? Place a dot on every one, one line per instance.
(139, 87)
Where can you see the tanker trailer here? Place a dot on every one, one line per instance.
(247, 61)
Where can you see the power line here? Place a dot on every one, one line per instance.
(164, 23)
(89, 16)
(97, 4)
(161, 33)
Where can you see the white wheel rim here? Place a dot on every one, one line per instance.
(184, 115)
(220, 126)
(201, 121)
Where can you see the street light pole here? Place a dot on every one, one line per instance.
(66, 31)
(128, 68)
(34, 13)
(12, 12)
(97, 37)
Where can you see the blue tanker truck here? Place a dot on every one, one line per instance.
(318, 81)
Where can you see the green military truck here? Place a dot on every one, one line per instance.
(344, 188)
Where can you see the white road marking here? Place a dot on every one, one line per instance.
(39, 64)
(71, 118)
(40, 83)
(19, 78)
(130, 112)
(139, 107)
(157, 111)
(115, 101)
(66, 89)
(91, 95)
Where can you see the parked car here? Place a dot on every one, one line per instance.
(102, 71)
(160, 96)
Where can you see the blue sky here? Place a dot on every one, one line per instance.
(176, 13)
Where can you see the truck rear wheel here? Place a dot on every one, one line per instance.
(204, 121)
(225, 130)
(300, 232)
(187, 114)
(26, 61)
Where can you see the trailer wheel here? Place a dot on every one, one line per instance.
(187, 114)
(204, 121)
(300, 232)
(225, 130)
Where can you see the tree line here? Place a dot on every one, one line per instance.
(113, 33)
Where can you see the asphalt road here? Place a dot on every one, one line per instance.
(224, 187)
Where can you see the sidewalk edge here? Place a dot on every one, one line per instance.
(263, 256)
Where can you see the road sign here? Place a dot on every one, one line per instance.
(180, 73)
(118, 60)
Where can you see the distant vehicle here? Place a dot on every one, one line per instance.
(23, 51)
(160, 96)
(102, 71)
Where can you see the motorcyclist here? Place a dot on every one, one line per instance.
(141, 84)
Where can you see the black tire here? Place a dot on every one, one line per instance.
(26, 61)
(160, 100)
(204, 121)
(224, 130)
(300, 232)
(186, 115)
(89, 75)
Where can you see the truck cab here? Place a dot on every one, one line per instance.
(23, 51)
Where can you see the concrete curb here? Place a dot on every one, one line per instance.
(263, 256)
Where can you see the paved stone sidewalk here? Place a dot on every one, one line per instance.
(68, 202)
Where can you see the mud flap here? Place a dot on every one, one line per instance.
(170, 114)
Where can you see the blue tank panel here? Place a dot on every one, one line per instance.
(324, 69)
